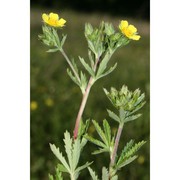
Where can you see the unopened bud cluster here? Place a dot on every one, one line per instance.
(125, 99)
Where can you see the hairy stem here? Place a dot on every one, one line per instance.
(118, 135)
(82, 106)
(70, 64)
(83, 102)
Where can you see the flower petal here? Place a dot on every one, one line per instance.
(61, 22)
(135, 37)
(132, 29)
(45, 17)
(53, 16)
(123, 24)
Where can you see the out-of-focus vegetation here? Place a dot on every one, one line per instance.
(55, 99)
(137, 9)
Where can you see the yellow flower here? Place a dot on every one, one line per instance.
(49, 102)
(129, 30)
(33, 105)
(53, 20)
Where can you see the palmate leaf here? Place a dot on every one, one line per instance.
(76, 153)
(113, 116)
(107, 141)
(52, 50)
(91, 58)
(100, 132)
(83, 82)
(126, 162)
(132, 118)
(128, 153)
(74, 79)
(95, 141)
(103, 64)
(59, 155)
(107, 72)
(73, 150)
(80, 168)
(105, 174)
(83, 127)
(87, 67)
(114, 177)
(68, 148)
(93, 174)
(107, 130)
(99, 151)
(63, 40)
(58, 174)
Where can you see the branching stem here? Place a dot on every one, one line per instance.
(70, 64)
(83, 102)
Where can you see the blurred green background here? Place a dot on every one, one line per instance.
(55, 99)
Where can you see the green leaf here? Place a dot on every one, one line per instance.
(58, 175)
(83, 127)
(59, 156)
(61, 168)
(74, 79)
(114, 177)
(105, 174)
(140, 99)
(80, 168)
(131, 118)
(87, 67)
(100, 132)
(99, 151)
(91, 47)
(63, 40)
(137, 108)
(103, 64)
(52, 50)
(56, 37)
(107, 72)
(76, 153)
(95, 141)
(50, 177)
(83, 82)
(126, 162)
(92, 173)
(128, 153)
(91, 58)
(83, 143)
(68, 148)
(113, 116)
(107, 130)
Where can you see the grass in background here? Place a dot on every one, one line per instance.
(57, 98)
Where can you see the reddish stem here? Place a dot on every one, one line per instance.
(82, 106)
(113, 157)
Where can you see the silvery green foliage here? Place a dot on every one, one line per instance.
(102, 41)
(106, 143)
(128, 154)
(51, 38)
(105, 174)
(73, 150)
(126, 102)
